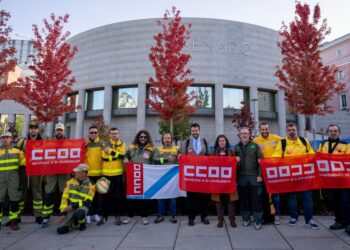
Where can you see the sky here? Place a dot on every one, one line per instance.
(88, 14)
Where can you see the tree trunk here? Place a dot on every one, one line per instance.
(171, 126)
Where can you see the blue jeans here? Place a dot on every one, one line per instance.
(307, 205)
(276, 203)
(161, 207)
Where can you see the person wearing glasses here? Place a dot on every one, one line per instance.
(93, 152)
(113, 155)
(141, 150)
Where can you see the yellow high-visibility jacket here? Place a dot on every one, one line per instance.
(80, 194)
(113, 163)
(341, 148)
(93, 157)
(10, 159)
(267, 145)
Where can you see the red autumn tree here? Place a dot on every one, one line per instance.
(6, 62)
(167, 92)
(244, 118)
(44, 93)
(308, 84)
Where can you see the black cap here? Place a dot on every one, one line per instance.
(33, 125)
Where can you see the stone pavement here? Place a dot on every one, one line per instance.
(177, 236)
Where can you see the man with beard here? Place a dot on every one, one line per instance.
(340, 197)
(34, 181)
(267, 143)
(294, 145)
(52, 181)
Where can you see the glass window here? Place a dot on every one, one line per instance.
(125, 98)
(341, 74)
(233, 97)
(94, 100)
(72, 100)
(203, 94)
(343, 104)
(266, 101)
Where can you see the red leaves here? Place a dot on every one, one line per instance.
(307, 82)
(168, 90)
(44, 93)
(244, 118)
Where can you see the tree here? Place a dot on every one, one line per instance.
(7, 62)
(168, 89)
(45, 92)
(202, 97)
(244, 118)
(308, 84)
(181, 129)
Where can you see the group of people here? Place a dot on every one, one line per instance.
(106, 160)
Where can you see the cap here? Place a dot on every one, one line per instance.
(33, 125)
(6, 134)
(59, 126)
(81, 167)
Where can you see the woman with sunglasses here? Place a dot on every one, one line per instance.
(141, 150)
(222, 148)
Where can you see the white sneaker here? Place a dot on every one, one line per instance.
(127, 220)
(96, 218)
(277, 220)
(145, 221)
(88, 219)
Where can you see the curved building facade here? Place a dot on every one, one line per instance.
(231, 61)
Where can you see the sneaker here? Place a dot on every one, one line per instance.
(257, 225)
(173, 219)
(118, 221)
(246, 223)
(205, 220)
(88, 219)
(45, 223)
(96, 218)
(127, 220)
(159, 219)
(277, 220)
(336, 226)
(101, 221)
(293, 222)
(312, 225)
(82, 227)
(145, 221)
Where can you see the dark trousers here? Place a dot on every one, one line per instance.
(307, 205)
(96, 202)
(341, 205)
(225, 198)
(250, 190)
(202, 199)
(112, 201)
(141, 207)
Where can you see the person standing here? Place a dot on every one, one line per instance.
(10, 158)
(294, 145)
(168, 154)
(93, 158)
(340, 197)
(249, 178)
(267, 143)
(141, 150)
(35, 181)
(76, 201)
(113, 154)
(52, 181)
(196, 145)
(222, 148)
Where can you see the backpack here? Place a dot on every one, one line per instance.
(284, 144)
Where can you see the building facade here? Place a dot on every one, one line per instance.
(231, 61)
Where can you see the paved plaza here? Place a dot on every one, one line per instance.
(177, 236)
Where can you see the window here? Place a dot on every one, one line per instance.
(94, 100)
(203, 94)
(72, 100)
(338, 53)
(266, 101)
(341, 74)
(124, 98)
(343, 104)
(233, 97)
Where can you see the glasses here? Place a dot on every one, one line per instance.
(143, 136)
(93, 133)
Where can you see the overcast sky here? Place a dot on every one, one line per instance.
(88, 14)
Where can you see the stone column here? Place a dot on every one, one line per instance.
(49, 129)
(219, 109)
(281, 110)
(254, 107)
(141, 107)
(301, 125)
(107, 108)
(25, 125)
(79, 130)
(62, 118)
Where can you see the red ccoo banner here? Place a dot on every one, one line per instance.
(208, 174)
(53, 156)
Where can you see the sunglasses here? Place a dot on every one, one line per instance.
(93, 133)
(143, 136)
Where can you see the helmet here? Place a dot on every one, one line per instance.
(102, 185)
